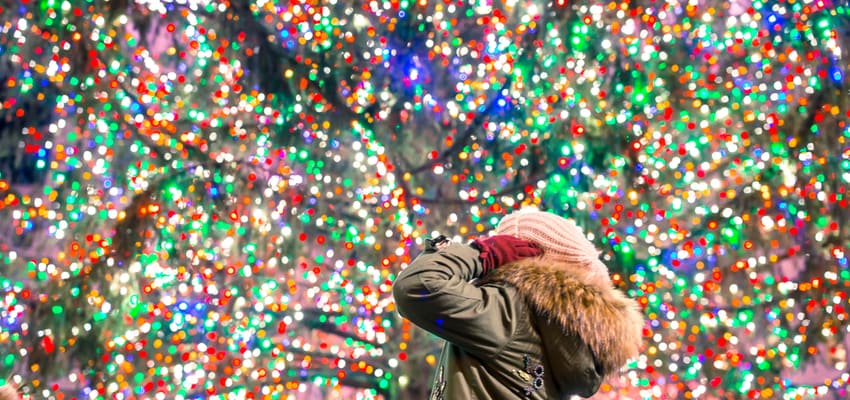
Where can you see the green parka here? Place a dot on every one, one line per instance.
(534, 329)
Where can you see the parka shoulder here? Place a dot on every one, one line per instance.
(610, 322)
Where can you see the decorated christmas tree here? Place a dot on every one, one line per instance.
(211, 199)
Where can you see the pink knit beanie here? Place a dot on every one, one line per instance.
(559, 238)
(9, 392)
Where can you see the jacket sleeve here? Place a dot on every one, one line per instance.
(434, 292)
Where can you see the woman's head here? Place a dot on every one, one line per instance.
(559, 238)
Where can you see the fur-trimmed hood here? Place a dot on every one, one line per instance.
(572, 297)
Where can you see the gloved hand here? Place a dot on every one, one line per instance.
(498, 250)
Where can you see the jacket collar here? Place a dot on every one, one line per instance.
(573, 297)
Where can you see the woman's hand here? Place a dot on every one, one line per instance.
(498, 250)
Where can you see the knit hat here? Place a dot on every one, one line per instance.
(8, 392)
(559, 238)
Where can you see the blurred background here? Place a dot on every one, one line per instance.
(210, 199)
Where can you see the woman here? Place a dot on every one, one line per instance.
(527, 313)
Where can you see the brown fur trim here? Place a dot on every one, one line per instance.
(604, 317)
